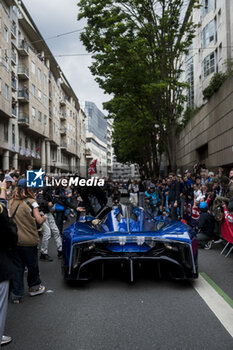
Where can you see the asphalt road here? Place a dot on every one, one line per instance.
(113, 314)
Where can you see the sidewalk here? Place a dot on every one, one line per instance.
(217, 267)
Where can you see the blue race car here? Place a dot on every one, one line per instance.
(128, 237)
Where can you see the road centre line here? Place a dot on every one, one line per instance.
(218, 302)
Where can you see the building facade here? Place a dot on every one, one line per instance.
(40, 119)
(124, 172)
(212, 48)
(208, 136)
(96, 138)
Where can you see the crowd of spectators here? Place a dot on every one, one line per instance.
(201, 198)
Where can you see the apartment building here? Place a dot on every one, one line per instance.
(212, 48)
(96, 138)
(40, 120)
(124, 172)
(82, 136)
(207, 138)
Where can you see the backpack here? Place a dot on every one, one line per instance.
(8, 223)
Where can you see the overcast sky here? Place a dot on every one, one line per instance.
(53, 17)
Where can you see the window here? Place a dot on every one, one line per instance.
(209, 33)
(209, 64)
(33, 113)
(0, 85)
(6, 34)
(33, 68)
(207, 6)
(6, 91)
(5, 132)
(33, 90)
(45, 100)
(45, 79)
(39, 73)
(39, 94)
(45, 119)
(39, 116)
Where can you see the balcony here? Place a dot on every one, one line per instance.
(62, 115)
(13, 57)
(14, 84)
(23, 95)
(10, 2)
(13, 30)
(23, 48)
(63, 102)
(62, 130)
(23, 72)
(63, 145)
(14, 111)
(23, 119)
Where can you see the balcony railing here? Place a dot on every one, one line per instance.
(22, 69)
(62, 130)
(23, 94)
(13, 56)
(23, 118)
(14, 111)
(24, 47)
(63, 144)
(63, 102)
(62, 115)
(13, 29)
(13, 84)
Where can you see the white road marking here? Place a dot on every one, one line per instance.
(222, 310)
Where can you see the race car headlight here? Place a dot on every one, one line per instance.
(122, 240)
(140, 240)
(168, 246)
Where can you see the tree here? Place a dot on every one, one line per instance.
(137, 48)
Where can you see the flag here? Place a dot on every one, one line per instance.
(92, 167)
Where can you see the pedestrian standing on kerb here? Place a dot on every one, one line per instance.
(26, 215)
(8, 241)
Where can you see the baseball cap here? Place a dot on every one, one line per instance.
(203, 205)
(152, 185)
(22, 183)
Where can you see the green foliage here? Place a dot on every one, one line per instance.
(136, 47)
(188, 114)
(216, 81)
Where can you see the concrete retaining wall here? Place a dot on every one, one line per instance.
(211, 130)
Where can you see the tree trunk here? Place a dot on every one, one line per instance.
(171, 149)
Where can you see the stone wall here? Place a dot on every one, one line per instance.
(208, 137)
